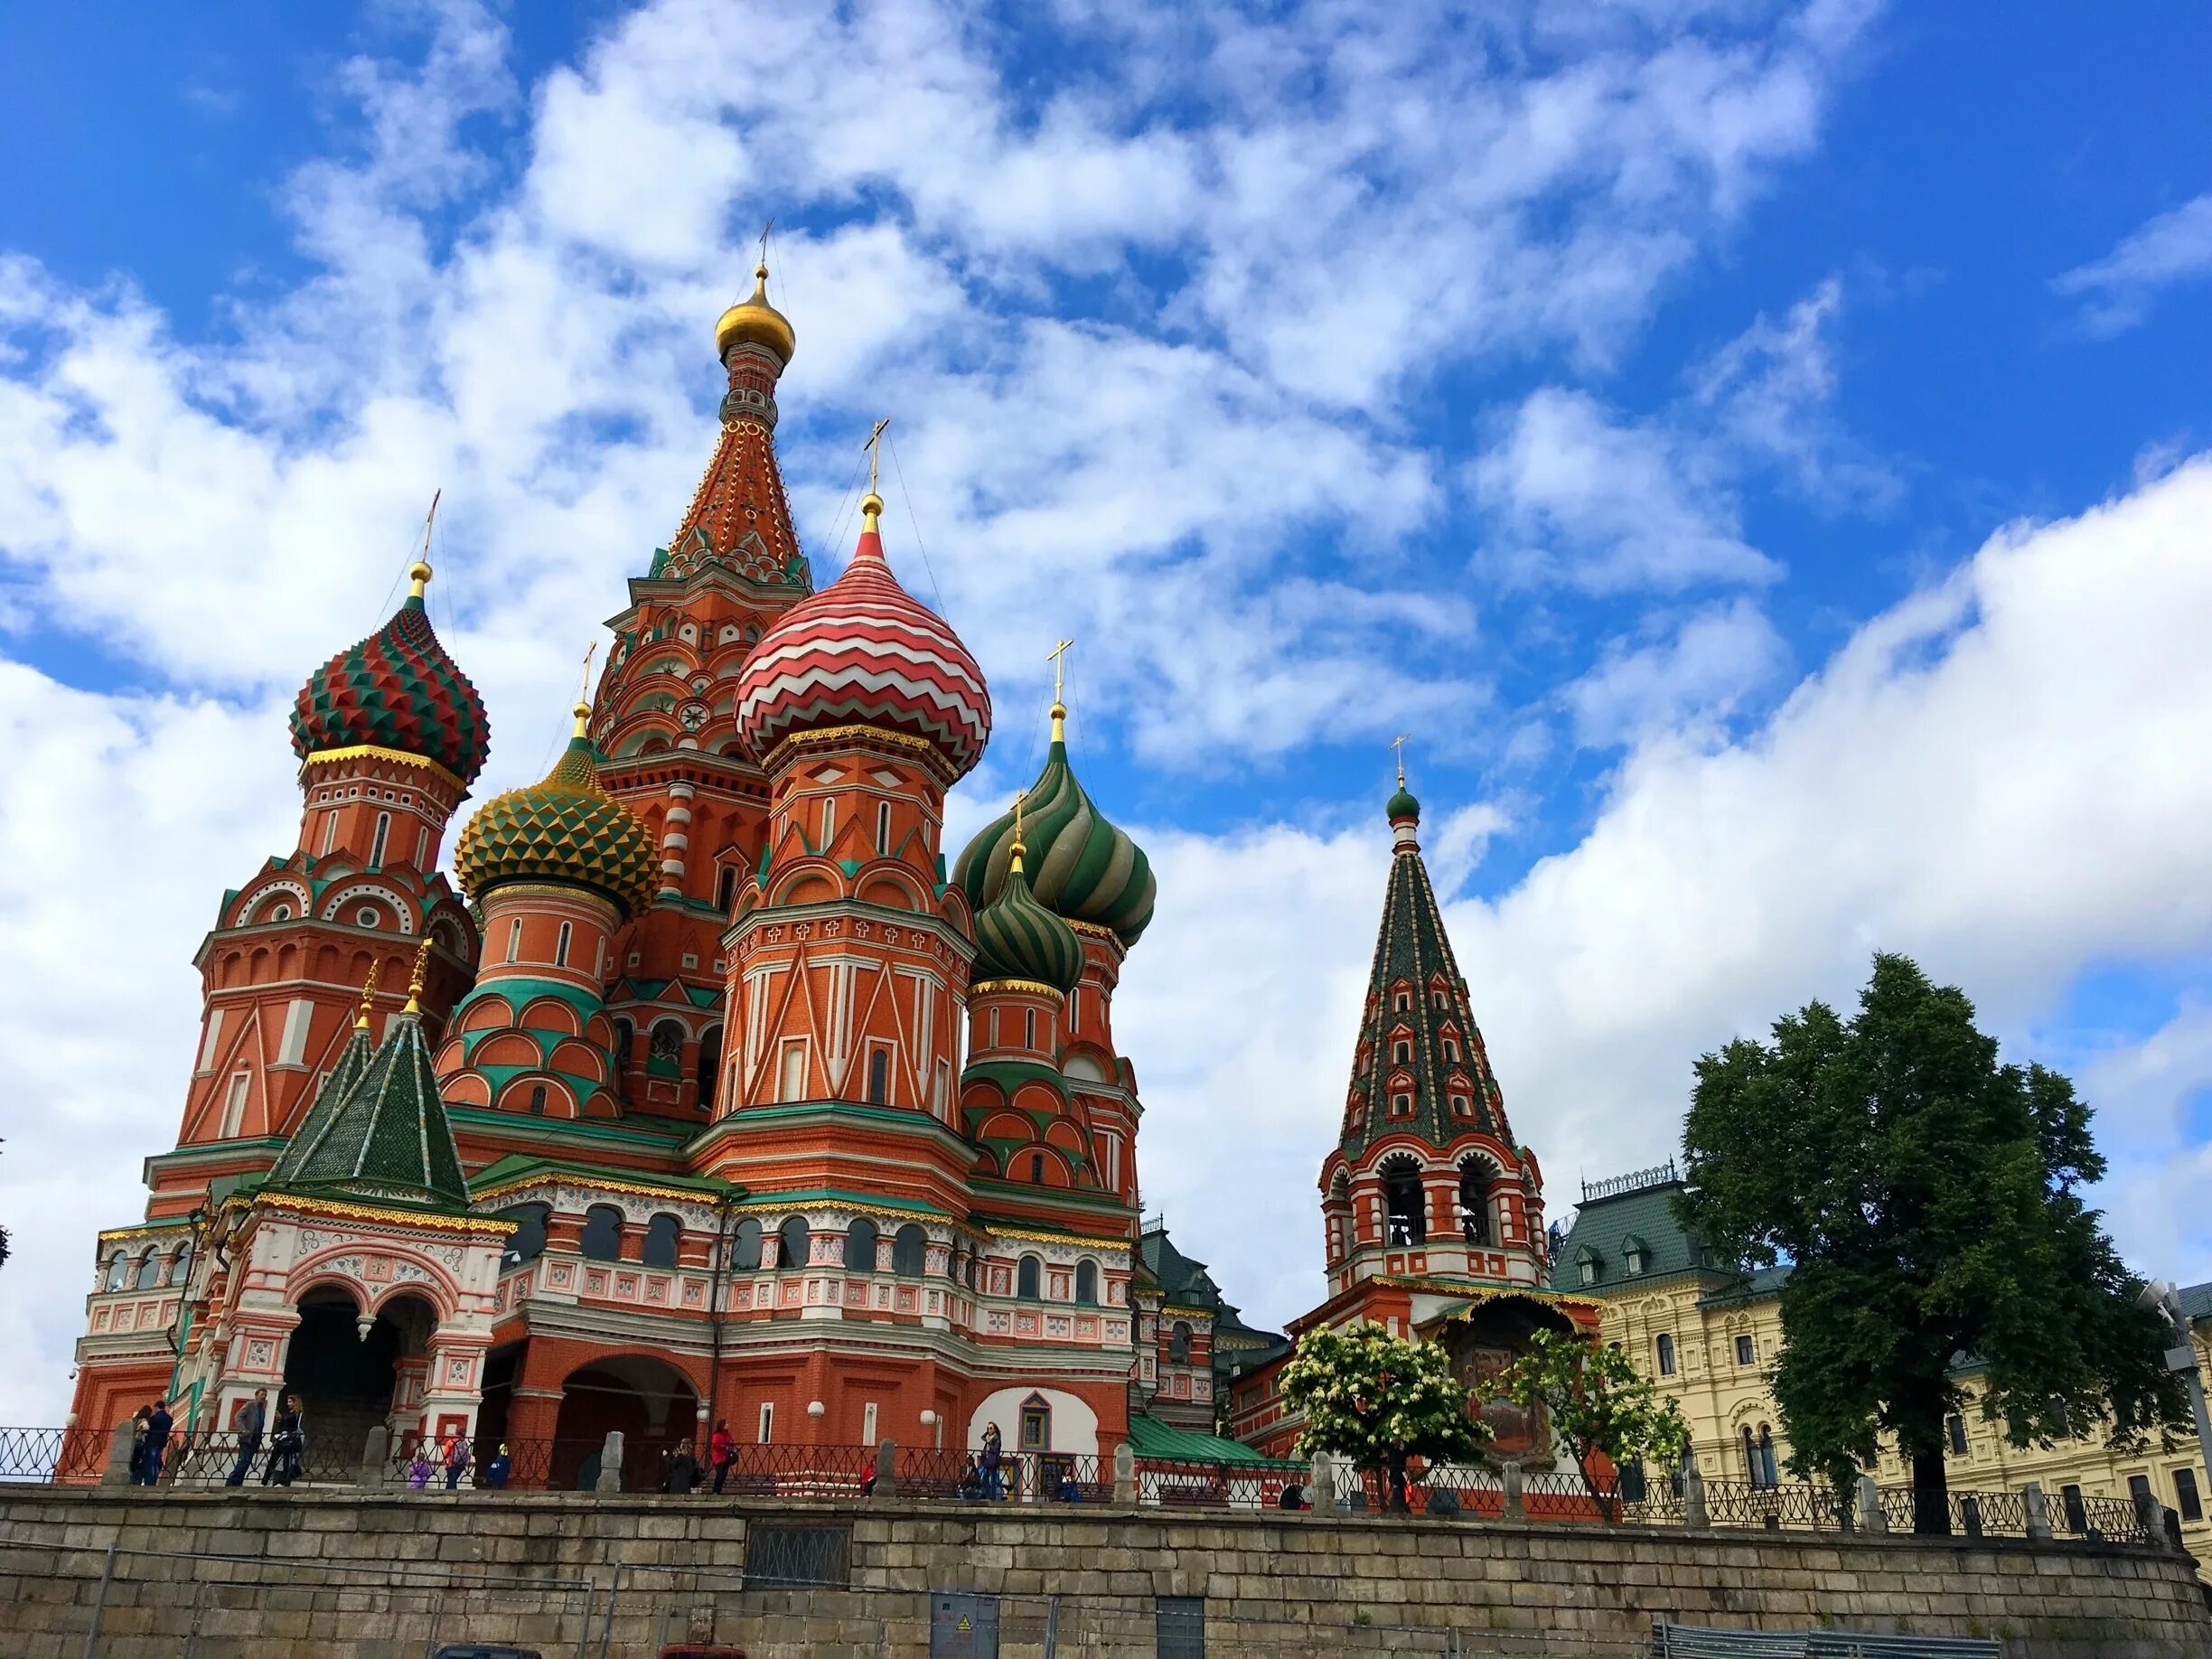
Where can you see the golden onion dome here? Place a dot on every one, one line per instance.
(755, 322)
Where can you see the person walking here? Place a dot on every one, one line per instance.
(140, 1419)
(456, 1460)
(158, 1427)
(287, 1445)
(721, 1452)
(994, 1464)
(252, 1423)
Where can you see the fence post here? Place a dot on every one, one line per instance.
(1870, 1516)
(2147, 1520)
(1125, 1475)
(1693, 1499)
(1323, 1484)
(886, 1468)
(2038, 1518)
(119, 1470)
(1513, 1507)
(376, 1452)
(610, 1464)
(99, 1600)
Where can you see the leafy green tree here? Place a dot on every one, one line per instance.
(1376, 1400)
(1925, 1199)
(1597, 1402)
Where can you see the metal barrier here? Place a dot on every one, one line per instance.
(1707, 1642)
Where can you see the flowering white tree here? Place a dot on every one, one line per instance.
(1376, 1400)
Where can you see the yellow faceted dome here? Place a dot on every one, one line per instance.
(755, 322)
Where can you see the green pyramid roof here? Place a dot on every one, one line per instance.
(386, 1137)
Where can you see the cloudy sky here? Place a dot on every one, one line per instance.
(1761, 452)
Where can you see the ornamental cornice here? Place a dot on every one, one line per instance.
(1084, 1240)
(1030, 988)
(788, 751)
(379, 1214)
(371, 751)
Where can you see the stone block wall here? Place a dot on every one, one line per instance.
(340, 1575)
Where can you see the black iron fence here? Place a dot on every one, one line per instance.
(206, 1458)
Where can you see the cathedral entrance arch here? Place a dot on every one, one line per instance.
(648, 1400)
(354, 1371)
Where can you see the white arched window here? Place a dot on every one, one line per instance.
(561, 944)
(376, 841)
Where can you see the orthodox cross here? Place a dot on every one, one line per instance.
(1019, 796)
(429, 519)
(584, 690)
(763, 240)
(1399, 744)
(1057, 657)
(875, 447)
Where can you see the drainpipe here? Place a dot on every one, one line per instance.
(713, 1314)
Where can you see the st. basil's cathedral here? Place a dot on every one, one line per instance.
(715, 1093)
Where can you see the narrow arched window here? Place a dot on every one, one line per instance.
(514, 940)
(883, 827)
(376, 841)
(1405, 1216)
(1028, 1028)
(1474, 1206)
(662, 1233)
(744, 1246)
(623, 1039)
(909, 1252)
(179, 1264)
(828, 822)
(119, 1271)
(1028, 1276)
(664, 1050)
(708, 1071)
(1086, 1283)
(149, 1269)
(725, 889)
(860, 1246)
(527, 1242)
(561, 944)
(791, 1242)
(537, 1100)
(1666, 1354)
(602, 1227)
(879, 1076)
(1179, 1343)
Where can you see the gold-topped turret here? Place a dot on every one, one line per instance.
(368, 1001)
(755, 322)
(415, 980)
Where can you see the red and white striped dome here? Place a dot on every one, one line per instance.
(863, 652)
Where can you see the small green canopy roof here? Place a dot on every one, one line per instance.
(1152, 1438)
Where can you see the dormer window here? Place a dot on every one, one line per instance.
(1588, 1266)
(1634, 1254)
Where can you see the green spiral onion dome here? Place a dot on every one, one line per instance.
(566, 829)
(1016, 937)
(397, 689)
(1081, 867)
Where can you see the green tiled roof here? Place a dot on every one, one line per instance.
(1602, 1226)
(385, 1136)
(1152, 1438)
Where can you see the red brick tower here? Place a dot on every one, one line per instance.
(390, 734)
(666, 723)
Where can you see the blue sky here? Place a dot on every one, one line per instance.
(1754, 449)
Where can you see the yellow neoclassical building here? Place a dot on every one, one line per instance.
(1709, 1338)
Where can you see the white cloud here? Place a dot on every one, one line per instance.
(1766, 394)
(1590, 501)
(2117, 291)
(1692, 678)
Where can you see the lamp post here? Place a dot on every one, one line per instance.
(935, 1425)
(2161, 1295)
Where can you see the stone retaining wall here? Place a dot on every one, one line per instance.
(311, 1575)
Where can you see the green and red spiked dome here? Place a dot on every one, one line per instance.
(1081, 866)
(398, 690)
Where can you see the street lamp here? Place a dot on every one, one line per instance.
(2160, 1295)
(935, 1424)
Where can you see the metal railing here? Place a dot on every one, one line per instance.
(210, 1458)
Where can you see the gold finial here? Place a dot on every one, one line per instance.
(1057, 657)
(1399, 744)
(419, 573)
(871, 504)
(583, 703)
(1015, 866)
(368, 1001)
(415, 981)
(762, 272)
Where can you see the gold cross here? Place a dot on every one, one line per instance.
(764, 240)
(1399, 744)
(1057, 657)
(1019, 795)
(875, 447)
(429, 519)
(584, 690)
